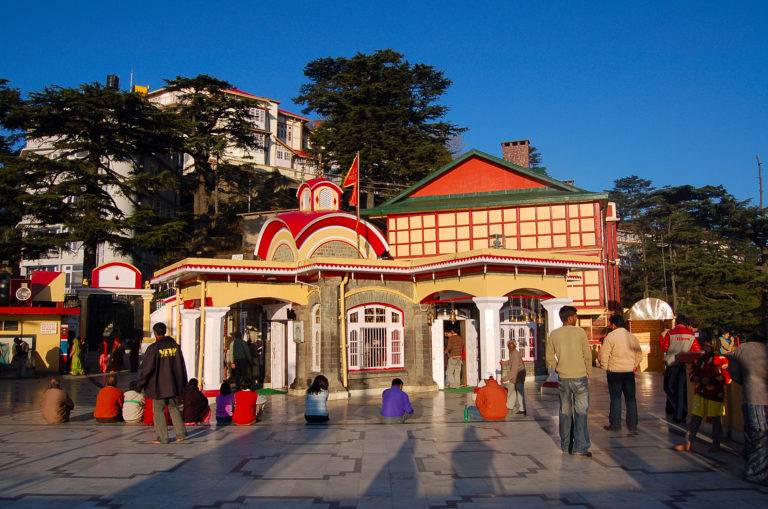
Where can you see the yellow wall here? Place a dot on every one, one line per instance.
(492, 285)
(46, 352)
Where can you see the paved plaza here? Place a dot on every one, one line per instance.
(436, 461)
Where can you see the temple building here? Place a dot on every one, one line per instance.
(483, 246)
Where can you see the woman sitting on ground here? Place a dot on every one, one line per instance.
(133, 404)
(195, 403)
(248, 406)
(225, 403)
(316, 401)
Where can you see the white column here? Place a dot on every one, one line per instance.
(188, 340)
(277, 354)
(552, 307)
(438, 357)
(470, 332)
(214, 347)
(490, 350)
(291, 354)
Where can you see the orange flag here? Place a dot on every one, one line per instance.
(352, 179)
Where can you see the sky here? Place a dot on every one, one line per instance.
(675, 92)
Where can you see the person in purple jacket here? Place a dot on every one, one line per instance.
(395, 404)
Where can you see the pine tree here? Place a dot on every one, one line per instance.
(100, 167)
(214, 122)
(10, 185)
(384, 107)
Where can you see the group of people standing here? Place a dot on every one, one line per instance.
(724, 359)
(244, 361)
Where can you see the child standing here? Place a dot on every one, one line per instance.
(709, 376)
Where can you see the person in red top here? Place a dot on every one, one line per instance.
(109, 402)
(104, 356)
(679, 339)
(490, 403)
(709, 376)
(117, 355)
(248, 406)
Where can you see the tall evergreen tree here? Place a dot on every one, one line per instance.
(383, 106)
(10, 209)
(101, 164)
(696, 247)
(214, 122)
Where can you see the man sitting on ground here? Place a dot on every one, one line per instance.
(195, 404)
(249, 405)
(395, 404)
(56, 404)
(490, 403)
(109, 402)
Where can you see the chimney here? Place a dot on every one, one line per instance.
(113, 82)
(516, 152)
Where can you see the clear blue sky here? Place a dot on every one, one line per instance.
(673, 93)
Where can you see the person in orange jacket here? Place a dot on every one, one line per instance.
(490, 403)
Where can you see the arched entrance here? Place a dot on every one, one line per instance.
(268, 326)
(453, 310)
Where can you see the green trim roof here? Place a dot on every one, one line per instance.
(559, 192)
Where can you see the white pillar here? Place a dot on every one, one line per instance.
(188, 340)
(291, 354)
(277, 354)
(470, 330)
(438, 357)
(553, 306)
(214, 347)
(490, 349)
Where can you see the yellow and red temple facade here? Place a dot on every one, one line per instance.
(481, 246)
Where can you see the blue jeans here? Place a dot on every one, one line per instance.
(474, 413)
(756, 443)
(574, 407)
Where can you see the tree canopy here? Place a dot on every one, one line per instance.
(382, 106)
(99, 161)
(698, 248)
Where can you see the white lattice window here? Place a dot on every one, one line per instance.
(376, 341)
(316, 338)
(516, 327)
(305, 197)
(326, 199)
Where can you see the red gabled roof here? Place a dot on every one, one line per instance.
(289, 114)
(249, 95)
(302, 153)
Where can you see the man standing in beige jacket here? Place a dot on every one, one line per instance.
(569, 355)
(620, 356)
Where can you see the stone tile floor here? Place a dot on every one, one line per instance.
(436, 461)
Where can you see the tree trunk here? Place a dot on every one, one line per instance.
(89, 260)
(646, 292)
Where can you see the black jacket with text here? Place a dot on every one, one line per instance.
(163, 373)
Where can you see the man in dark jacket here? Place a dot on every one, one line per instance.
(163, 377)
(241, 354)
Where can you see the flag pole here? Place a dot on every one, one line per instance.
(357, 190)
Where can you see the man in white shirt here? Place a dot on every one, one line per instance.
(620, 356)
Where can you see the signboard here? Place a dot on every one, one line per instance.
(49, 328)
(298, 332)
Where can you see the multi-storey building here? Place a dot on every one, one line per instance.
(283, 148)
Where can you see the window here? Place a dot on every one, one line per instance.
(316, 338)
(377, 342)
(258, 116)
(281, 130)
(305, 200)
(516, 328)
(289, 133)
(326, 199)
(9, 325)
(283, 155)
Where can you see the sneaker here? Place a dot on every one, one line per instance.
(611, 428)
(585, 455)
(180, 439)
(686, 447)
